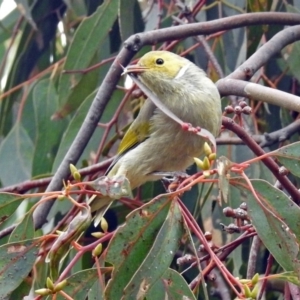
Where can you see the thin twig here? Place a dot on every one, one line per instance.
(131, 46)
(268, 161)
(200, 39)
(258, 92)
(27, 185)
(266, 139)
(265, 52)
(267, 272)
(256, 243)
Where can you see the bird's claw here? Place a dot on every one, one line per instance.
(171, 176)
(114, 187)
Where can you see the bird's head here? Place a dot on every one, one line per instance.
(156, 67)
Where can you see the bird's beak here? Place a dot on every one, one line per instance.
(134, 69)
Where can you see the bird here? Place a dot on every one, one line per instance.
(155, 144)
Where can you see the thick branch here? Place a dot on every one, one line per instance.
(136, 41)
(265, 52)
(132, 45)
(258, 92)
(264, 140)
(280, 135)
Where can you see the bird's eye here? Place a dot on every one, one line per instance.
(159, 61)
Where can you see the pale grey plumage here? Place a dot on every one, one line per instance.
(187, 92)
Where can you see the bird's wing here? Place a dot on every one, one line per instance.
(138, 132)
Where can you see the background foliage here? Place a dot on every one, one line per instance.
(232, 232)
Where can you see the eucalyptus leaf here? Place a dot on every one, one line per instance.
(16, 152)
(132, 244)
(89, 36)
(273, 222)
(16, 261)
(289, 156)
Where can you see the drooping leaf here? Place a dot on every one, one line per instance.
(129, 26)
(291, 277)
(273, 222)
(96, 292)
(88, 37)
(170, 286)
(80, 283)
(280, 203)
(126, 24)
(61, 247)
(8, 205)
(48, 132)
(21, 291)
(77, 121)
(77, 6)
(289, 156)
(24, 230)
(16, 152)
(30, 48)
(86, 85)
(16, 261)
(160, 256)
(145, 245)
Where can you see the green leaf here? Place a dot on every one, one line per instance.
(126, 24)
(277, 200)
(291, 277)
(87, 40)
(129, 26)
(274, 222)
(42, 269)
(61, 247)
(77, 121)
(16, 261)
(86, 85)
(49, 132)
(79, 284)
(29, 123)
(292, 61)
(21, 291)
(24, 230)
(289, 156)
(30, 49)
(147, 241)
(77, 6)
(160, 256)
(7, 24)
(8, 205)
(279, 203)
(96, 292)
(15, 156)
(170, 286)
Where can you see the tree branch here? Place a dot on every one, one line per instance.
(135, 42)
(258, 92)
(24, 186)
(268, 161)
(131, 46)
(266, 139)
(265, 52)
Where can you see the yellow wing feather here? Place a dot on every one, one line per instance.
(133, 136)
